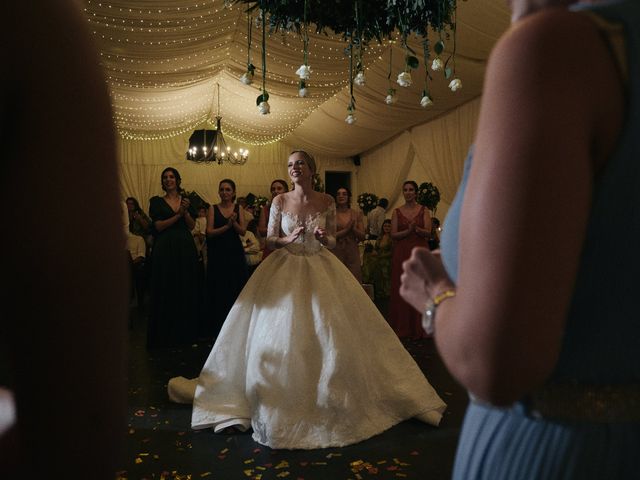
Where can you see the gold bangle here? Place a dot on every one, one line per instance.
(429, 315)
(441, 297)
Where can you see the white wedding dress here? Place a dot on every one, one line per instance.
(304, 357)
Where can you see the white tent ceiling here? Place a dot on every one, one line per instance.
(164, 58)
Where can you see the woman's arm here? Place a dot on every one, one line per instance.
(501, 335)
(358, 227)
(263, 220)
(395, 233)
(274, 240)
(426, 231)
(238, 222)
(212, 231)
(161, 225)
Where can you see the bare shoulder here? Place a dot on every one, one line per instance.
(551, 38)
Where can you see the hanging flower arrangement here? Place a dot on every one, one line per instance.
(263, 99)
(247, 77)
(373, 20)
(304, 72)
(425, 99)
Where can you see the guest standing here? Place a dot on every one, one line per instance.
(541, 324)
(375, 218)
(63, 333)
(377, 266)
(410, 227)
(350, 230)
(226, 265)
(175, 286)
(139, 222)
(278, 186)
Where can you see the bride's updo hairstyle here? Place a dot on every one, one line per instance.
(308, 158)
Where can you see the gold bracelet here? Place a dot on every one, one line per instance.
(429, 315)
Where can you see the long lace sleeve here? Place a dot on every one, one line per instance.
(273, 228)
(330, 226)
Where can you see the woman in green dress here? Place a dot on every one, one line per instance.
(376, 269)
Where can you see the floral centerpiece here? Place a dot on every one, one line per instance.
(257, 204)
(367, 202)
(428, 195)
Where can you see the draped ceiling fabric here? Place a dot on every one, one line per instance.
(164, 58)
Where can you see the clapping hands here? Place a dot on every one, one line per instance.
(321, 234)
(185, 203)
(293, 236)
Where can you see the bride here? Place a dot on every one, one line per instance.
(304, 358)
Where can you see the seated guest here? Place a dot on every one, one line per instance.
(252, 250)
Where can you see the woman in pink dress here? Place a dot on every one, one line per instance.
(410, 227)
(350, 231)
(278, 186)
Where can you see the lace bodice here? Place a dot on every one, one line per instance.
(282, 223)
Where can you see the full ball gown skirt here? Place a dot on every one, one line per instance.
(306, 359)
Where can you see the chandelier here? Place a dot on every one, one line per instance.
(209, 146)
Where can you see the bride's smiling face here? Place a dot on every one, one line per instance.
(298, 167)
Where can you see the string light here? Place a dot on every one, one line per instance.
(159, 63)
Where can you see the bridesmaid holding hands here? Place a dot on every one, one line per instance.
(226, 266)
(410, 227)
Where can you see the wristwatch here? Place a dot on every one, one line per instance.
(429, 315)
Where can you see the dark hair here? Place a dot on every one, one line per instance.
(435, 221)
(309, 159)
(383, 202)
(415, 185)
(281, 182)
(136, 205)
(230, 182)
(175, 174)
(386, 220)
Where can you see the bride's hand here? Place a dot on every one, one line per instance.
(293, 236)
(423, 278)
(320, 234)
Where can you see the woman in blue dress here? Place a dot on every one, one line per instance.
(537, 308)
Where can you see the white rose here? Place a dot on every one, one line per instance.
(302, 92)
(390, 99)
(351, 119)
(359, 79)
(303, 72)
(246, 79)
(426, 101)
(264, 108)
(437, 64)
(456, 84)
(404, 79)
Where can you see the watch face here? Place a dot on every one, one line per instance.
(429, 317)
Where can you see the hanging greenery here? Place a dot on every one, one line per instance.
(378, 20)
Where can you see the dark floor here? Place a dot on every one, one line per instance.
(160, 444)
